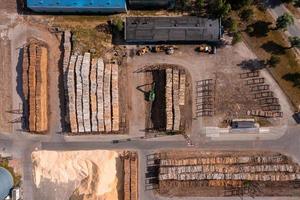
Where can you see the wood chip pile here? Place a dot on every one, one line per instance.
(245, 168)
(175, 97)
(130, 176)
(34, 78)
(93, 95)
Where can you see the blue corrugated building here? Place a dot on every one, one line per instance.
(77, 6)
(6, 183)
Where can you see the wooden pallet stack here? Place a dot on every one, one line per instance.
(182, 88)
(35, 65)
(100, 95)
(115, 97)
(169, 99)
(176, 124)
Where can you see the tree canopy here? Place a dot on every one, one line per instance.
(284, 21)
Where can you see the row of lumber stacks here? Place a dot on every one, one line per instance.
(67, 54)
(182, 88)
(245, 168)
(176, 124)
(100, 95)
(93, 95)
(79, 103)
(107, 97)
(169, 99)
(130, 176)
(71, 91)
(85, 75)
(34, 78)
(115, 97)
(175, 97)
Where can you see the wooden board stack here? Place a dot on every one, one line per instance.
(93, 92)
(169, 100)
(176, 124)
(35, 65)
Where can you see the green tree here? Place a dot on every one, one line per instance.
(295, 41)
(118, 23)
(220, 8)
(249, 29)
(200, 4)
(284, 21)
(238, 4)
(237, 37)
(273, 61)
(246, 14)
(233, 26)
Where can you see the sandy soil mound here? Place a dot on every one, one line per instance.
(94, 172)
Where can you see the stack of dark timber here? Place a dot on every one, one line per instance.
(93, 95)
(35, 61)
(130, 176)
(230, 168)
(175, 96)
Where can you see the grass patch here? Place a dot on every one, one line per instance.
(287, 72)
(17, 178)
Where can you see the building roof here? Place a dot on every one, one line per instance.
(6, 182)
(76, 5)
(172, 29)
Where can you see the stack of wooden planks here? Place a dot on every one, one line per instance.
(175, 97)
(130, 176)
(35, 64)
(93, 95)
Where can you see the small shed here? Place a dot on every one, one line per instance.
(77, 6)
(6, 183)
(151, 4)
(185, 29)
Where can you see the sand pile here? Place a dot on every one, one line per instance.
(93, 172)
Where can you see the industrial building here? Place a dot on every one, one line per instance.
(6, 183)
(151, 4)
(77, 6)
(172, 29)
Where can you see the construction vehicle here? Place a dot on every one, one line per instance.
(158, 48)
(207, 49)
(142, 51)
(170, 50)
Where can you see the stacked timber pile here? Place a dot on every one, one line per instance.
(35, 64)
(93, 95)
(230, 168)
(130, 176)
(175, 97)
(169, 100)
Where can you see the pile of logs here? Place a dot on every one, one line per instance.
(93, 95)
(130, 176)
(175, 97)
(245, 168)
(34, 78)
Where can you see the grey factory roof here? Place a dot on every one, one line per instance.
(172, 29)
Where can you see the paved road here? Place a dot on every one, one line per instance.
(277, 9)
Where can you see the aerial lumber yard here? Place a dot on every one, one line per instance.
(149, 100)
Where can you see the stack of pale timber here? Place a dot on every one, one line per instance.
(85, 72)
(169, 99)
(93, 95)
(182, 88)
(35, 63)
(66, 60)
(115, 97)
(93, 78)
(130, 176)
(72, 94)
(100, 96)
(176, 100)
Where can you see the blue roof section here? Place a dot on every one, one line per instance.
(6, 183)
(77, 5)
